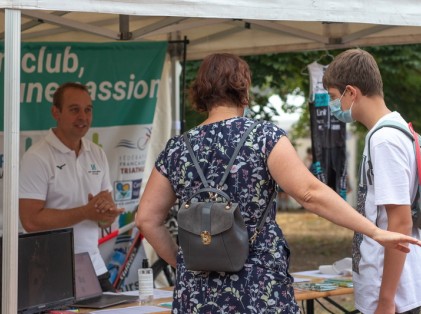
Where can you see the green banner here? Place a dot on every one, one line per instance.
(122, 78)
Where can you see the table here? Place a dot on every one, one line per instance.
(154, 302)
(310, 296)
(300, 295)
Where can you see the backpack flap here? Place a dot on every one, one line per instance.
(212, 236)
(210, 217)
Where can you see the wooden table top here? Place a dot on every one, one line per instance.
(300, 295)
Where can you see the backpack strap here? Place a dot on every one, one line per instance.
(231, 162)
(195, 162)
(234, 156)
(262, 220)
(415, 137)
(389, 124)
(416, 206)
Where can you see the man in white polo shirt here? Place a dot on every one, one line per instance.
(64, 178)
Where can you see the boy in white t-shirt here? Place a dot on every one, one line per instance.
(385, 281)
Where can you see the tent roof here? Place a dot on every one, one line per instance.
(389, 12)
(243, 27)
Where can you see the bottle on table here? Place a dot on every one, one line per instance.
(145, 283)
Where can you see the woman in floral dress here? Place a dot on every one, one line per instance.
(267, 158)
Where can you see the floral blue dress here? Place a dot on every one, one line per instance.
(264, 284)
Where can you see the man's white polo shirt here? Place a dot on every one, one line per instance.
(51, 172)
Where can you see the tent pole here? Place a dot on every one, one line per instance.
(183, 85)
(177, 49)
(175, 95)
(12, 52)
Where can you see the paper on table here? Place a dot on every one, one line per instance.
(314, 273)
(157, 293)
(131, 310)
(297, 279)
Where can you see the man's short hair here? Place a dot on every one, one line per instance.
(58, 95)
(354, 67)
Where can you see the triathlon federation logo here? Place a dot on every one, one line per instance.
(127, 190)
(141, 143)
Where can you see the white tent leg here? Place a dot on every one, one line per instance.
(175, 94)
(12, 53)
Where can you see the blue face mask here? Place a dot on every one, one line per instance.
(335, 108)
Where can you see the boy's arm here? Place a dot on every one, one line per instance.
(399, 220)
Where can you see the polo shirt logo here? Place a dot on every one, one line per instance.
(94, 170)
(60, 167)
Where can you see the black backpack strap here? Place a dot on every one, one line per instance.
(389, 124)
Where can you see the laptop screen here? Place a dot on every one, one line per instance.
(86, 281)
(46, 270)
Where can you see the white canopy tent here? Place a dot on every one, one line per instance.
(243, 27)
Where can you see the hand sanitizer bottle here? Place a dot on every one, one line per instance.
(145, 283)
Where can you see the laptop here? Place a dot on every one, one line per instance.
(46, 271)
(88, 290)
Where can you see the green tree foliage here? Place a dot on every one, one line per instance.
(272, 74)
(191, 118)
(400, 67)
(284, 74)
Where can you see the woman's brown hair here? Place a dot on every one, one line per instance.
(221, 79)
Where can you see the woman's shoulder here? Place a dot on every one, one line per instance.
(268, 127)
(230, 126)
(174, 142)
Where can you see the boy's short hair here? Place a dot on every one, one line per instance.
(354, 67)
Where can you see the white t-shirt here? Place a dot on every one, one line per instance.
(51, 172)
(393, 182)
(318, 93)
